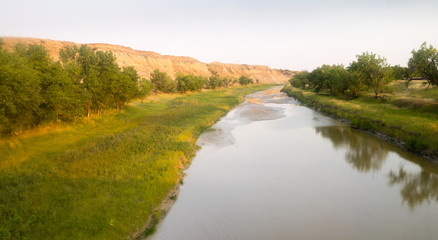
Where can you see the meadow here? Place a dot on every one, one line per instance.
(407, 114)
(103, 177)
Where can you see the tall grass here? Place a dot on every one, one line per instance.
(102, 178)
(408, 116)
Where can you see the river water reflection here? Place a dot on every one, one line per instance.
(274, 169)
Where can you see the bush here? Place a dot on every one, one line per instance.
(244, 80)
(300, 80)
(190, 82)
(162, 82)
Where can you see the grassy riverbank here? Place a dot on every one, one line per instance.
(408, 116)
(102, 178)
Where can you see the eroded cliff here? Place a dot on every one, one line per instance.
(146, 62)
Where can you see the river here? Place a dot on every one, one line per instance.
(274, 169)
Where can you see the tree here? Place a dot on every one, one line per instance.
(333, 78)
(338, 80)
(81, 65)
(225, 82)
(124, 86)
(318, 78)
(144, 87)
(20, 92)
(244, 80)
(102, 82)
(189, 82)
(61, 95)
(35, 89)
(213, 82)
(216, 82)
(401, 72)
(424, 62)
(182, 83)
(161, 81)
(300, 80)
(356, 84)
(372, 70)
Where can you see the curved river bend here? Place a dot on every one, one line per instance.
(274, 169)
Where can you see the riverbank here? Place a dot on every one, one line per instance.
(255, 114)
(267, 169)
(104, 177)
(408, 117)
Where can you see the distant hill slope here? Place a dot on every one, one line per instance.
(146, 61)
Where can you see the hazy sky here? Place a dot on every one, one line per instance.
(296, 35)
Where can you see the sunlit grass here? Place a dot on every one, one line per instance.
(102, 178)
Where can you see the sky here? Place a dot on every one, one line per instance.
(294, 35)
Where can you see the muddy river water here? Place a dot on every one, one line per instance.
(274, 169)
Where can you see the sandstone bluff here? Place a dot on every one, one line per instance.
(146, 61)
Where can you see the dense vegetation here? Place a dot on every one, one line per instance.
(407, 112)
(369, 71)
(243, 80)
(34, 89)
(103, 178)
(162, 82)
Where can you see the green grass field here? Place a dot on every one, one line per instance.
(409, 114)
(103, 177)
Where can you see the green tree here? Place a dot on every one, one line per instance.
(20, 92)
(244, 80)
(372, 70)
(216, 82)
(213, 82)
(162, 82)
(81, 65)
(144, 87)
(335, 79)
(102, 82)
(356, 84)
(61, 95)
(401, 72)
(338, 80)
(201, 82)
(424, 62)
(139, 87)
(124, 86)
(318, 78)
(225, 82)
(35, 89)
(189, 82)
(182, 83)
(113, 85)
(300, 80)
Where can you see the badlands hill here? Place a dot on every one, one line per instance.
(146, 62)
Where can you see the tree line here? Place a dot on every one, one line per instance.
(369, 71)
(162, 82)
(35, 89)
